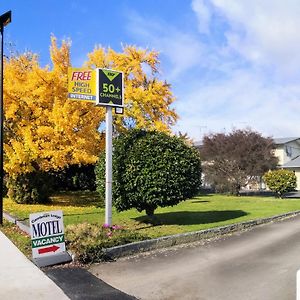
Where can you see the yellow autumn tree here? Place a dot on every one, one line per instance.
(147, 99)
(45, 131)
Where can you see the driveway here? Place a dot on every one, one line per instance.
(260, 264)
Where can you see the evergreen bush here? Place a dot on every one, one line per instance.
(280, 181)
(151, 169)
(30, 188)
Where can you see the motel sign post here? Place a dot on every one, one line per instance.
(104, 87)
(110, 93)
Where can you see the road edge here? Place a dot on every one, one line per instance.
(189, 237)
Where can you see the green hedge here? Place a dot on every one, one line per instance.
(30, 188)
(151, 169)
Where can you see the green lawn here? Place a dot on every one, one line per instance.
(19, 238)
(206, 211)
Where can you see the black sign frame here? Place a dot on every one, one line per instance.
(110, 88)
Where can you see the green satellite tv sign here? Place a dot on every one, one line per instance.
(110, 86)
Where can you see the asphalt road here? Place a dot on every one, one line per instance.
(260, 264)
(79, 284)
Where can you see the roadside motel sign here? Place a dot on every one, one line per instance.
(104, 87)
(47, 234)
(82, 84)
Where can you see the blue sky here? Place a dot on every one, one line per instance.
(231, 63)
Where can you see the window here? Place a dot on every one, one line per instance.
(288, 151)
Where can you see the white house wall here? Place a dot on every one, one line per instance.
(287, 152)
(279, 152)
(297, 173)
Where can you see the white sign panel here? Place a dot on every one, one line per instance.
(47, 233)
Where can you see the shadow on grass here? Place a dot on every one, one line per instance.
(77, 199)
(191, 217)
(257, 193)
(200, 201)
(66, 215)
(82, 214)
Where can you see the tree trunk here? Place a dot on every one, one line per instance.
(150, 210)
(237, 188)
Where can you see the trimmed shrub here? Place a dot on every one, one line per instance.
(30, 188)
(37, 187)
(88, 241)
(151, 169)
(280, 181)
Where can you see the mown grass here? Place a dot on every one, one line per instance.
(202, 212)
(19, 238)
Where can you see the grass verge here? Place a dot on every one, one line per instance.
(202, 212)
(82, 208)
(18, 237)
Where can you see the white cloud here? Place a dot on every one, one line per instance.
(182, 50)
(263, 32)
(241, 70)
(203, 14)
(241, 101)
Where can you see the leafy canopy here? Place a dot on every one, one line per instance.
(151, 169)
(147, 98)
(45, 131)
(281, 181)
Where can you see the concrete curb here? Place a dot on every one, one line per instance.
(172, 240)
(20, 223)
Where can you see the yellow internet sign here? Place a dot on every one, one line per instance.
(82, 84)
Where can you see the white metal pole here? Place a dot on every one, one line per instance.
(108, 169)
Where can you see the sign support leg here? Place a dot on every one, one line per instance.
(108, 168)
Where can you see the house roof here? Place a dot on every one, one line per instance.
(294, 163)
(198, 143)
(277, 141)
(281, 141)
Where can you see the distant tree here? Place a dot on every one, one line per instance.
(233, 160)
(151, 169)
(45, 131)
(280, 181)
